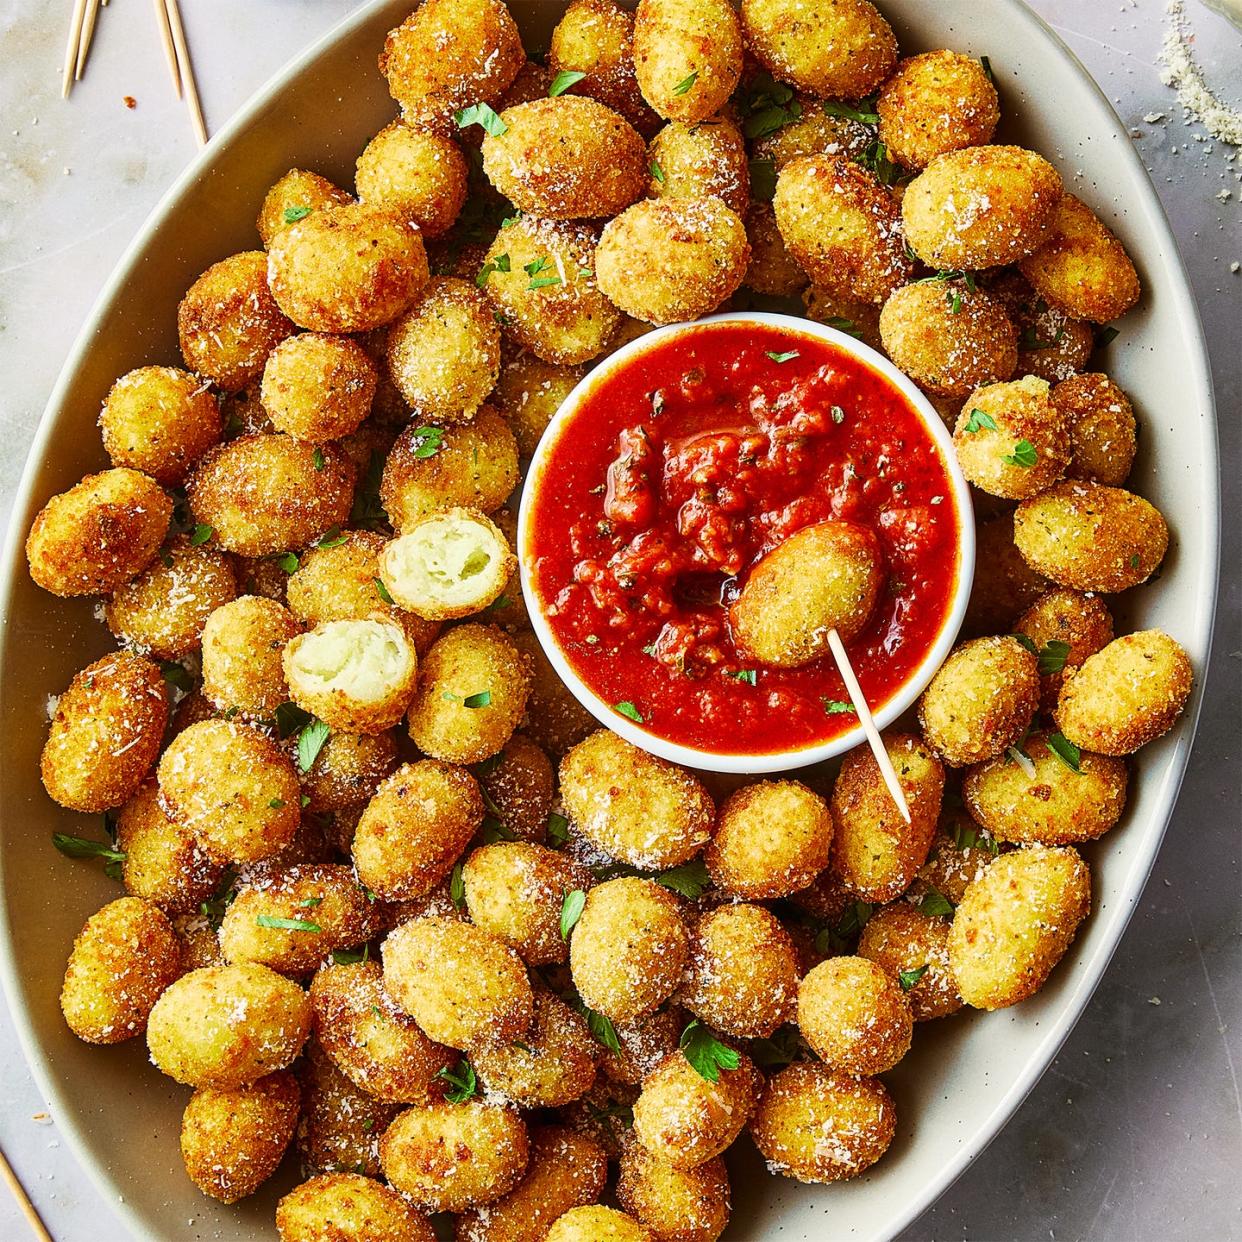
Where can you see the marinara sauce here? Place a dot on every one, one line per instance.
(680, 471)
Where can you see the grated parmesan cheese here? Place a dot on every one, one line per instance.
(1183, 74)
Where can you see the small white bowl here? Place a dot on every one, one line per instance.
(885, 712)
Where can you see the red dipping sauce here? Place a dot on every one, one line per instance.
(677, 473)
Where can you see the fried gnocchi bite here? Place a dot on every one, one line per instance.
(854, 1015)
(242, 644)
(347, 1207)
(678, 1205)
(100, 534)
(358, 676)
(598, 1224)
(318, 387)
(293, 198)
(555, 720)
(520, 782)
(1101, 426)
(636, 807)
(687, 56)
(913, 948)
(528, 393)
(1065, 627)
(420, 175)
(105, 733)
(695, 161)
(772, 270)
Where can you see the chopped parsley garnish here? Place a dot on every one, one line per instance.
(310, 743)
(480, 114)
(331, 538)
(937, 278)
(987, 68)
(706, 1053)
(80, 847)
(558, 829)
(691, 879)
(864, 113)
(657, 172)
(875, 160)
(482, 699)
(763, 180)
(626, 708)
(350, 957)
(457, 887)
(563, 81)
(1134, 560)
(200, 534)
(571, 911)
(310, 903)
(908, 978)
(838, 707)
(317, 458)
(1053, 656)
(383, 591)
(954, 299)
(848, 326)
(782, 1049)
(461, 1080)
(427, 442)
(293, 214)
(838, 414)
(767, 106)
(686, 83)
(969, 836)
(284, 924)
(176, 675)
(276, 804)
(1023, 454)
(935, 903)
(979, 420)
(499, 264)
(535, 270)
(748, 675)
(290, 718)
(777, 356)
(1066, 751)
(601, 1028)
(289, 562)
(1031, 342)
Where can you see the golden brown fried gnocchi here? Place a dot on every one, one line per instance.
(913, 948)
(806, 1102)
(1126, 695)
(1102, 428)
(164, 864)
(1081, 267)
(292, 919)
(980, 701)
(474, 465)
(419, 174)
(743, 977)
(687, 56)
(447, 565)
(962, 851)
(268, 493)
(520, 782)
(772, 269)
(516, 891)
(1091, 537)
(347, 269)
(347, 771)
(566, 158)
(472, 691)
(677, 1205)
(105, 733)
(684, 1119)
(242, 645)
(831, 48)
(814, 130)
(100, 534)
(1056, 804)
(449, 1157)
(980, 207)
(444, 352)
(358, 676)
(551, 1065)
(644, 1043)
(341, 1125)
(1005, 583)
(233, 787)
(565, 1170)
(934, 103)
(448, 55)
(637, 808)
(704, 256)
(1065, 628)
(293, 198)
(233, 1140)
(1011, 439)
(347, 1207)
(528, 393)
(598, 1224)
(378, 1046)
(159, 420)
(694, 161)
(163, 610)
(772, 838)
(414, 827)
(595, 38)
(842, 227)
(628, 949)
(822, 578)
(225, 1026)
(875, 851)
(228, 322)
(318, 387)
(1015, 922)
(854, 1015)
(948, 337)
(123, 959)
(465, 987)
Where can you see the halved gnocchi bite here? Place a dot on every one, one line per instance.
(447, 565)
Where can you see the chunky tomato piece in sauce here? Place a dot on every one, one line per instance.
(678, 473)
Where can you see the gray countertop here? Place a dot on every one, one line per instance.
(1135, 1133)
